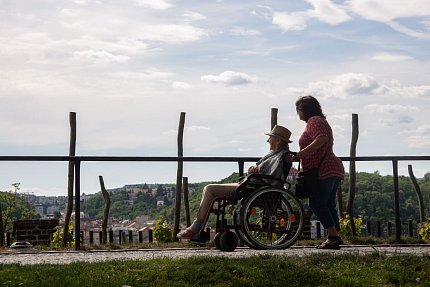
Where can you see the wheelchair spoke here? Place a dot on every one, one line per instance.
(273, 218)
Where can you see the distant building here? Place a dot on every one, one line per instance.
(40, 209)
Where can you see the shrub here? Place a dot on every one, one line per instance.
(162, 232)
(424, 229)
(345, 226)
(57, 237)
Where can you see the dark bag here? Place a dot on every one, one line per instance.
(307, 183)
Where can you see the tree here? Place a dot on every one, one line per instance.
(160, 190)
(13, 206)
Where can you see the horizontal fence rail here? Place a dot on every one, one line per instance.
(77, 160)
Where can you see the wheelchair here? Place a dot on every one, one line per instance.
(265, 214)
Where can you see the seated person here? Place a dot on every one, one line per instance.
(271, 164)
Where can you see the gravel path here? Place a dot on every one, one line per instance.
(28, 257)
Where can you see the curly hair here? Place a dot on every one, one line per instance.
(309, 106)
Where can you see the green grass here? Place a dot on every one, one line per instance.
(312, 270)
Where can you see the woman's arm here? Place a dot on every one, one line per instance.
(316, 144)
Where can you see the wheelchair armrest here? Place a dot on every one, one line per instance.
(261, 179)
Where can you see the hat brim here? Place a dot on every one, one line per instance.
(276, 135)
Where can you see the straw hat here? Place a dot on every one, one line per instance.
(280, 132)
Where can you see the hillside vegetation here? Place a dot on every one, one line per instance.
(374, 199)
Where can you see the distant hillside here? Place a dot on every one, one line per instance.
(374, 199)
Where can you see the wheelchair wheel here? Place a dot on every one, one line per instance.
(239, 232)
(272, 218)
(217, 240)
(228, 241)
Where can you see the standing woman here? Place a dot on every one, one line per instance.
(316, 150)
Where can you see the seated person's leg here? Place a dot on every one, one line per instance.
(210, 193)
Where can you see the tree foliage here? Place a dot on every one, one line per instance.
(13, 206)
(374, 200)
(375, 197)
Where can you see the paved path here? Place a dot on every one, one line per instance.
(29, 257)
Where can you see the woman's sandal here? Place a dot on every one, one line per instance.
(332, 242)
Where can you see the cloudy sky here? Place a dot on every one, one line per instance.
(129, 68)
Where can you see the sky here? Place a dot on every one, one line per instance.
(129, 68)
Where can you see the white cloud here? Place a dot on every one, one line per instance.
(193, 16)
(262, 11)
(81, 2)
(99, 56)
(390, 108)
(387, 11)
(407, 31)
(154, 4)
(360, 84)
(171, 33)
(426, 24)
(323, 10)
(396, 89)
(420, 137)
(181, 85)
(197, 128)
(290, 21)
(241, 31)
(344, 85)
(328, 12)
(405, 119)
(386, 57)
(148, 74)
(68, 13)
(229, 78)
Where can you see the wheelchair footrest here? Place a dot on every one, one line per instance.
(202, 237)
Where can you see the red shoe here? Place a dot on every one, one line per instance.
(187, 233)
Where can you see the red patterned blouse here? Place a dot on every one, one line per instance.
(329, 164)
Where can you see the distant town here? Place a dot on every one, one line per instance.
(155, 197)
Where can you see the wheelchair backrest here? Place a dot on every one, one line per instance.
(286, 167)
(253, 182)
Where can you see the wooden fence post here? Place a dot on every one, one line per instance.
(273, 118)
(106, 199)
(130, 236)
(318, 230)
(418, 192)
(111, 236)
(369, 228)
(71, 177)
(150, 236)
(410, 228)
(8, 242)
(352, 175)
(179, 174)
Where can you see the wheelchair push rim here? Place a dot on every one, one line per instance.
(272, 218)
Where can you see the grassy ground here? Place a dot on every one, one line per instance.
(313, 270)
